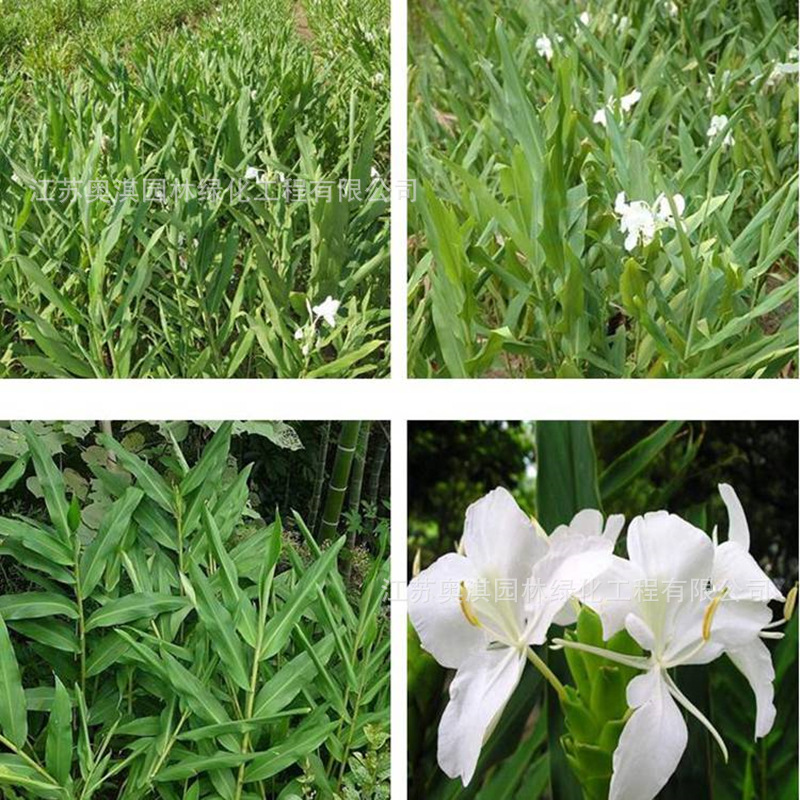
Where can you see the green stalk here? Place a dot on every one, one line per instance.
(28, 760)
(548, 674)
(348, 437)
(76, 545)
(251, 692)
(356, 484)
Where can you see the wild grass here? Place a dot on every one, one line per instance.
(213, 286)
(518, 266)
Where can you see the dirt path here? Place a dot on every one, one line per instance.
(301, 23)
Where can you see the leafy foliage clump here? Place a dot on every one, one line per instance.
(179, 647)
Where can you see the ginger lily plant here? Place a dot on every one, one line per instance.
(682, 597)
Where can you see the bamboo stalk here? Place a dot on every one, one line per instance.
(337, 488)
(356, 485)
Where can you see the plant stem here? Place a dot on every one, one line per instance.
(81, 618)
(27, 759)
(251, 692)
(547, 672)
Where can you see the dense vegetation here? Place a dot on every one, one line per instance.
(605, 189)
(166, 631)
(171, 201)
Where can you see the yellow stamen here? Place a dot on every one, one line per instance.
(708, 617)
(791, 602)
(466, 606)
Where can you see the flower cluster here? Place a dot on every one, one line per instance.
(639, 221)
(626, 103)
(719, 123)
(307, 333)
(488, 637)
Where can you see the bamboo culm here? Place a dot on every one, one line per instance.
(337, 487)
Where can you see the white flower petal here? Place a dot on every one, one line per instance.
(652, 741)
(621, 203)
(667, 548)
(574, 560)
(738, 529)
(599, 117)
(327, 310)
(640, 631)
(500, 539)
(630, 100)
(754, 662)
(478, 694)
(611, 596)
(738, 572)
(435, 611)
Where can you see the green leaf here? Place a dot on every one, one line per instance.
(37, 540)
(219, 624)
(142, 605)
(153, 485)
(113, 527)
(633, 462)
(279, 628)
(52, 484)
(307, 738)
(33, 605)
(211, 462)
(196, 765)
(13, 711)
(290, 680)
(58, 748)
(567, 472)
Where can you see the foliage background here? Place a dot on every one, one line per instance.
(231, 507)
(672, 465)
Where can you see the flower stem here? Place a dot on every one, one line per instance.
(547, 672)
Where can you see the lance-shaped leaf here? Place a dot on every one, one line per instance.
(52, 483)
(37, 540)
(307, 738)
(219, 624)
(211, 463)
(16, 772)
(153, 485)
(291, 679)
(13, 711)
(229, 577)
(195, 765)
(113, 527)
(143, 605)
(279, 628)
(51, 632)
(58, 748)
(33, 605)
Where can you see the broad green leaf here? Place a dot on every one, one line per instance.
(13, 711)
(290, 680)
(219, 624)
(52, 484)
(37, 540)
(143, 605)
(279, 628)
(153, 485)
(307, 738)
(33, 605)
(58, 749)
(191, 766)
(115, 524)
(567, 472)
